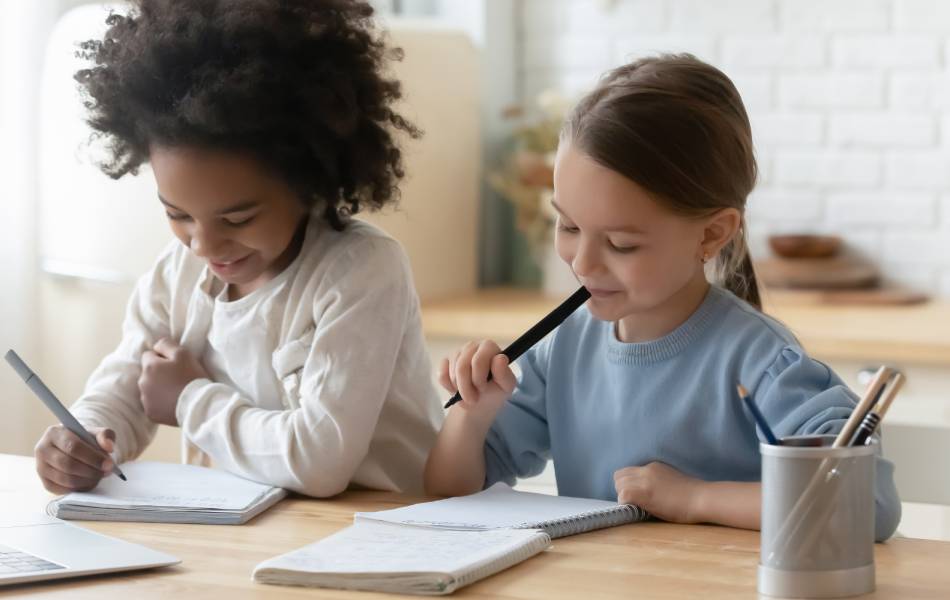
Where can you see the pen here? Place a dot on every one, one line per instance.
(536, 333)
(876, 415)
(65, 417)
(758, 416)
(864, 406)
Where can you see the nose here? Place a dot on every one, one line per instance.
(586, 260)
(206, 242)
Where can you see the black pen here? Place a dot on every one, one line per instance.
(874, 416)
(537, 333)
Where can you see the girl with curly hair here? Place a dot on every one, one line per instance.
(282, 336)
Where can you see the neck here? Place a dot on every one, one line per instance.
(656, 322)
(237, 291)
(293, 249)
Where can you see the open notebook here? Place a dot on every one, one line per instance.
(383, 557)
(437, 547)
(169, 493)
(502, 507)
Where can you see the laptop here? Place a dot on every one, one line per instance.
(37, 547)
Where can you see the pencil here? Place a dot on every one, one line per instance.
(758, 416)
(874, 417)
(538, 331)
(863, 407)
(896, 383)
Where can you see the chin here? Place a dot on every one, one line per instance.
(605, 310)
(614, 309)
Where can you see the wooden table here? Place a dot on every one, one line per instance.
(917, 334)
(646, 560)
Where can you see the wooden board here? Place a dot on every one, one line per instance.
(868, 297)
(839, 272)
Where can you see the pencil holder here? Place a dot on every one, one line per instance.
(817, 519)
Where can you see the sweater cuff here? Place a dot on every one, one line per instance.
(190, 394)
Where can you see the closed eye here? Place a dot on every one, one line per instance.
(239, 223)
(623, 249)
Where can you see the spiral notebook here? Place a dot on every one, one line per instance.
(383, 557)
(169, 493)
(500, 507)
(438, 547)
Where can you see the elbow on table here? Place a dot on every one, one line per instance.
(323, 475)
(887, 502)
(887, 516)
(323, 483)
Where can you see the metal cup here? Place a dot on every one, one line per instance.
(817, 519)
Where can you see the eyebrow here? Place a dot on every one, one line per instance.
(240, 207)
(628, 229)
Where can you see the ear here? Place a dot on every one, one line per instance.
(719, 229)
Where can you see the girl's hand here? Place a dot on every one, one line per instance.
(66, 464)
(467, 373)
(660, 490)
(166, 370)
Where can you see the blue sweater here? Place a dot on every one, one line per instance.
(594, 404)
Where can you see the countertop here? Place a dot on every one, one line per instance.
(915, 334)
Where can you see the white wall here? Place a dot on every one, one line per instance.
(849, 101)
(23, 28)
(24, 31)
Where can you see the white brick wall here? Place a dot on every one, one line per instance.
(887, 51)
(922, 15)
(849, 102)
(834, 15)
(913, 90)
(882, 129)
(827, 90)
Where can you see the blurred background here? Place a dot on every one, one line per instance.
(850, 107)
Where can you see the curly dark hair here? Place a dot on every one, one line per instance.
(297, 84)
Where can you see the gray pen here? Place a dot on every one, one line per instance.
(52, 402)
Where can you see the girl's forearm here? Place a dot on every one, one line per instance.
(456, 464)
(731, 503)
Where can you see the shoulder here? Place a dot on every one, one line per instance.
(360, 247)
(748, 328)
(176, 267)
(361, 261)
(766, 348)
(750, 321)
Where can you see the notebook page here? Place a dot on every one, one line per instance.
(173, 486)
(497, 507)
(382, 548)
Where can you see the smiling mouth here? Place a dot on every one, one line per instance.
(227, 264)
(598, 293)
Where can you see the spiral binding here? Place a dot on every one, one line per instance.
(589, 521)
(535, 545)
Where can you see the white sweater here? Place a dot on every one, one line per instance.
(321, 378)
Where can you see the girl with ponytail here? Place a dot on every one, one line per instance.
(634, 395)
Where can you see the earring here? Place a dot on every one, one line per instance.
(705, 257)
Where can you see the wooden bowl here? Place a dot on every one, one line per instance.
(805, 245)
